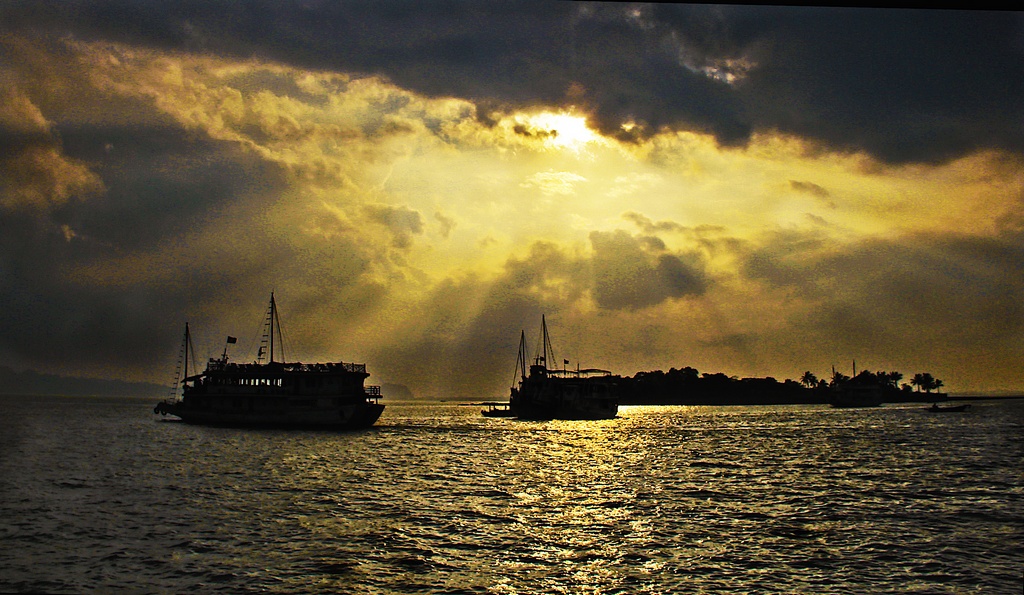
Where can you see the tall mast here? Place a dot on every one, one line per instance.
(272, 340)
(273, 314)
(185, 352)
(188, 339)
(549, 351)
(520, 360)
(544, 338)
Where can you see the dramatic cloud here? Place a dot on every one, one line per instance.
(902, 85)
(747, 189)
(631, 272)
(35, 174)
(889, 304)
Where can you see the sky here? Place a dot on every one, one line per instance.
(753, 190)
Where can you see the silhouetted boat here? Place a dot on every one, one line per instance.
(545, 393)
(273, 394)
(497, 410)
(863, 390)
(853, 397)
(951, 409)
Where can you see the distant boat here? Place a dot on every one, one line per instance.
(855, 397)
(863, 390)
(273, 394)
(497, 410)
(549, 393)
(951, 409)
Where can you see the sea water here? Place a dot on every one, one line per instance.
(100, 495)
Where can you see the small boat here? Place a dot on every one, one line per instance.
(545, 393)
(497, 410)
(951, 409)
(270, 393)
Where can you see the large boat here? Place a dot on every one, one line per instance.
(271, 393)
(545, 393)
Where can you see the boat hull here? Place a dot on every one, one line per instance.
(343, 417)
(497, 412)
(953, 409)
(542, 397)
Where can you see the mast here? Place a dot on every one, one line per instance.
(544, 338)
(188, 339)
(520, 360)
(184, 354)
(272, 339)
(273, 315)
(549, 351)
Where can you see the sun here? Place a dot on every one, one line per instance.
(563, 130)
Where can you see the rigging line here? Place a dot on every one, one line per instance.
(520, 360)
(280, 333)
(191, 349)
(258, 336)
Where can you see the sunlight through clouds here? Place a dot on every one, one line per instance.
(552, 183)
(411, 221)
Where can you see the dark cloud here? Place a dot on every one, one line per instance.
(161, 182)
(896, 301)
(632, 273)
(648, 226)
(447, 223)
(401, 221)
(810, 188)
(902, 85)
(49, 320)
(99, 282)
(472, 325)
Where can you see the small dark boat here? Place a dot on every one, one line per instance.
(497, 410)
(952, 409)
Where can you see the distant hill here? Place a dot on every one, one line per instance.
(29, 382)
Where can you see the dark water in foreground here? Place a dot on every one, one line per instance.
(97, 495)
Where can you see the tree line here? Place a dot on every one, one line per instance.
(687, 386)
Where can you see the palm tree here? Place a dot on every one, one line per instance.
(809, 379)
(924, 381)
(839, 378)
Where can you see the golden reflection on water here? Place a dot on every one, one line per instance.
(575, 491)
(438, 499)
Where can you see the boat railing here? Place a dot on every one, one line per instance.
(217, 365)
(372, 393)
(328, 367)
(587, 373)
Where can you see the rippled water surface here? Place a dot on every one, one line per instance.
(99, 495)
